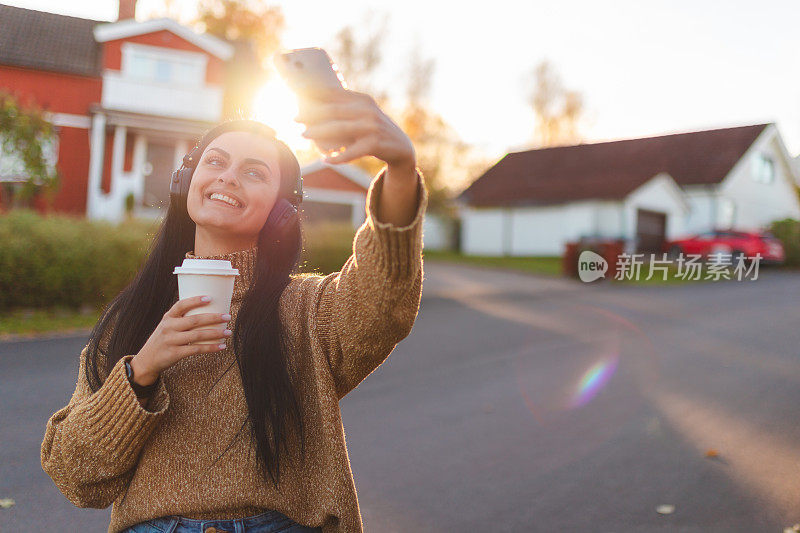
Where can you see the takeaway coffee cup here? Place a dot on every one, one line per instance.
(212, 277)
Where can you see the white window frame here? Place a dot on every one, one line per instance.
(196, 60)
(761, 162)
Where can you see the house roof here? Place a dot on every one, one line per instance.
(342, 177)
(111, 31)
(48, 41)
(609, 170)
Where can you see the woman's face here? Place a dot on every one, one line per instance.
(244, 167)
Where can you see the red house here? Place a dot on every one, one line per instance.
(127, 99)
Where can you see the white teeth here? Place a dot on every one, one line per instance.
(224, 198)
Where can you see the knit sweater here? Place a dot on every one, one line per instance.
(341, 326)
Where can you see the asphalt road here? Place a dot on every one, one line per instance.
(521, 403)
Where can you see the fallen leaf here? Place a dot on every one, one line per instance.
(665, 509)
(5, 503)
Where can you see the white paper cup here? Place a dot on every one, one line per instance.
(212, 277)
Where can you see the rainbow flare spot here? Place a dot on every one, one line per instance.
(594, 379)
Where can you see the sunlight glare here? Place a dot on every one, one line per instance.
(276, 106)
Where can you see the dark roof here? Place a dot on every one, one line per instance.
(609, 170)
(47, 41)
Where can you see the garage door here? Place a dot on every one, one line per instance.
(651, 227)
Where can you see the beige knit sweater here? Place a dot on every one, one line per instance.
(342, 327)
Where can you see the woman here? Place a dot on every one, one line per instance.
(171, 445)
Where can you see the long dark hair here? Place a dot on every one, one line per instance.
(259, 339)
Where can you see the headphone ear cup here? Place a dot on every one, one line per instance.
(281, 215)
(175, 184)
(179, 184)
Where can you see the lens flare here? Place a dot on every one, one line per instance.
(276, 105)
(593, 380)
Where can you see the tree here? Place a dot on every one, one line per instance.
(25, 136)
(244, 20)
(359, 59)
(441, 154)
(557, 109)
(254, 29)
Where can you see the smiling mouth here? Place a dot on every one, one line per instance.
(223, 202)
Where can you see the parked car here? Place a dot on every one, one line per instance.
(735, 243)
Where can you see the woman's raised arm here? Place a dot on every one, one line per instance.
(359, 314)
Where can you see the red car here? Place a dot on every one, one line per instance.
(735, 243)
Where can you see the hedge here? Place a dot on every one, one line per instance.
(61, 260)
(788, 232)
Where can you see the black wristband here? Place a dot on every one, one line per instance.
(142, 391)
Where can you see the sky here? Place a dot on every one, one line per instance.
(643, 68)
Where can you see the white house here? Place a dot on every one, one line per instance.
(640, 190)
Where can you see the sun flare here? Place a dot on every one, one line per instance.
(276, 106)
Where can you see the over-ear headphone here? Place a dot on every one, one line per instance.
(282, 212)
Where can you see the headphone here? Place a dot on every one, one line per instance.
(282, 212)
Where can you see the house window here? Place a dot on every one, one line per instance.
(763, 169)
(163, 65)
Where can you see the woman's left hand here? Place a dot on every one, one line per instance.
(352, 124)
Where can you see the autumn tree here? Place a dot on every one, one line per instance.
(440, 151)
(557, 109)
(445, 160)
(357, 52)
(254, 29)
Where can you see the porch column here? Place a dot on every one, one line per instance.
(181, 149)
(119, 189)
(137, 170)
(97, 143)
(359, 214)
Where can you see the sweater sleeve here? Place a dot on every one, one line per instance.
(370, 305)
(91, 445)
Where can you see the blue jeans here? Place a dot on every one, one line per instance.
(269, 522)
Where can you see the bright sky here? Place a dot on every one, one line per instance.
(644, 68)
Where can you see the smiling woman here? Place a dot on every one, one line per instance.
(233, 189)
(159, 425)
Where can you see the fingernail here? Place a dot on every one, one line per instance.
(227, 332)
(226, 316)
(206, 298)
(221, 346)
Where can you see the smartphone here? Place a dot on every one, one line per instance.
(304, 68)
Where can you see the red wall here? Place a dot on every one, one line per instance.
(112, 52)
(60, 93)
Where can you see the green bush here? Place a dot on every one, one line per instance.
(788, 232)
(66, 261)
(327, 246)
(60, 260)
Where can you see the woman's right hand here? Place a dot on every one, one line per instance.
(169, 343)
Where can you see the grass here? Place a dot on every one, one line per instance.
(550, 266)
(24, 322)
